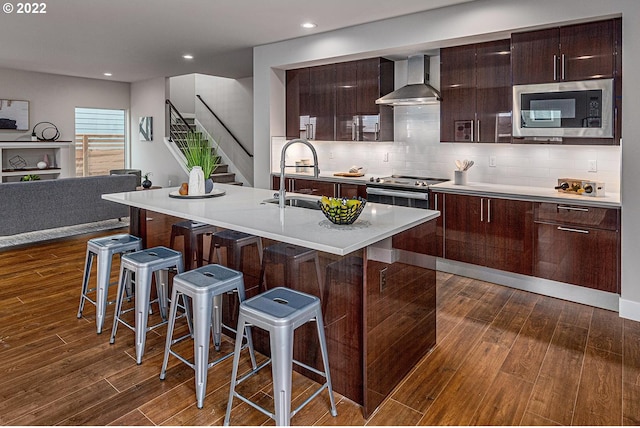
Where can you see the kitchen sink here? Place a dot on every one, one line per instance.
(294, 201)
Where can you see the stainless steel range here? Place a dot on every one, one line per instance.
(404, 190)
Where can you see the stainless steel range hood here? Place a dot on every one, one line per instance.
(418, 91)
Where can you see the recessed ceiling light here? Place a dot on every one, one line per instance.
(308, 25)
(108, 74)
(187, 56)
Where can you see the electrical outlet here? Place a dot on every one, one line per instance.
(593, 166)
(385, 158)
(383, 279)
(330, 155)
(492, 161)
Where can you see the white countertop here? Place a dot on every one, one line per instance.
(242, 209)
(538, 194)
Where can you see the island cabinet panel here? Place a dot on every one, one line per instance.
(578, 245)
(491, 232)
(399, 318)
(574, 52)
(476, 93)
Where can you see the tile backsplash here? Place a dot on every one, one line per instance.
(417, 151)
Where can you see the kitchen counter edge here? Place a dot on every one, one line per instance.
(525, 193)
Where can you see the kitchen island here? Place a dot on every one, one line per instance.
(378, 294)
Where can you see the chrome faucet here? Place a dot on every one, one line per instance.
(316, 169)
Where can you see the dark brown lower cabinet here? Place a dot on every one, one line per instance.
(578, 245)
(491, 232)
(320, 187)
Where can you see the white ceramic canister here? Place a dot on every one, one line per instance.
(196, 181)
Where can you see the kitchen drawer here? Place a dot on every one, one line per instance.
(576, 215)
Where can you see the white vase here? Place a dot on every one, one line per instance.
(196, 181)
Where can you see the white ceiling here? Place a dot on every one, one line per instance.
(141, 39)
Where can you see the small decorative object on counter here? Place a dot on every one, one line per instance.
(196, 181)
(42, 165)
(580, 187)
(460, 177)
(146, 183)
(342, 210)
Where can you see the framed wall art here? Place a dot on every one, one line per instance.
(14, 115)
(146, 128)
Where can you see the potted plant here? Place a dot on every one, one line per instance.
(146, 183)
(198, 152)
(30, 177)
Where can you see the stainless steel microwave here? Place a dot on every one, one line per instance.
(564, 109)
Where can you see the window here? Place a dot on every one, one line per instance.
(100, 141)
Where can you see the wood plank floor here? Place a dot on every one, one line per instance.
(503, 357)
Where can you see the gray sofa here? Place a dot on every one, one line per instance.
(36, 205)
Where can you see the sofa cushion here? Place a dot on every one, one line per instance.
(36, 205)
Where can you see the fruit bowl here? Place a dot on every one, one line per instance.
(342, 210)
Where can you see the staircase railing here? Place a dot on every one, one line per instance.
(225, 127)
(178, 127)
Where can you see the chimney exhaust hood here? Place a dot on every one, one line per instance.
(417, 91)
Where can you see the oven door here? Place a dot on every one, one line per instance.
(403, 198)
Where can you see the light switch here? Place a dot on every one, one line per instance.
(593, 166)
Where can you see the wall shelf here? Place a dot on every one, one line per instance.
(59, 153)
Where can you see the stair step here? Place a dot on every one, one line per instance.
(220, 168)
(224, 177)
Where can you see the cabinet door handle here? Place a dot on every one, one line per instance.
(568, 229)
(488, 210)
(353, 131)
(563, 207)
(478, 130)
(377, 131)
(555, 67)
(435, 200)
(481, 209)
(312, 132)
(563, 66)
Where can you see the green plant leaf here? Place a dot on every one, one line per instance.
(199, 152)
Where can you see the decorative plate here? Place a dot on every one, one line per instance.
(213, 194)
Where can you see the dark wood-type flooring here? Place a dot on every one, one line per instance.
(503, 357)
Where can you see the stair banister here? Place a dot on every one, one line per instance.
(224, 126)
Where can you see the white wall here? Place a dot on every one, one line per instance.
(182, 93)
(232, 101)
(148, 99)
(53, 98)
(476, 21)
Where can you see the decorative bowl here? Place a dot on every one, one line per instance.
(342, 210)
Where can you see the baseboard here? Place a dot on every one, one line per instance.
(630, 309)
(560, 290)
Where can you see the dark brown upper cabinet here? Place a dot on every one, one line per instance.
(358, 85)
(337, 101)
(475, 82)
(310, 103)
(573, 52)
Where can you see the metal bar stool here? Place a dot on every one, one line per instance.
(104, 249)
(290, 256)
(204, 286)
(193, 235)
(142, 264)
(234, 242)
(280, 311)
